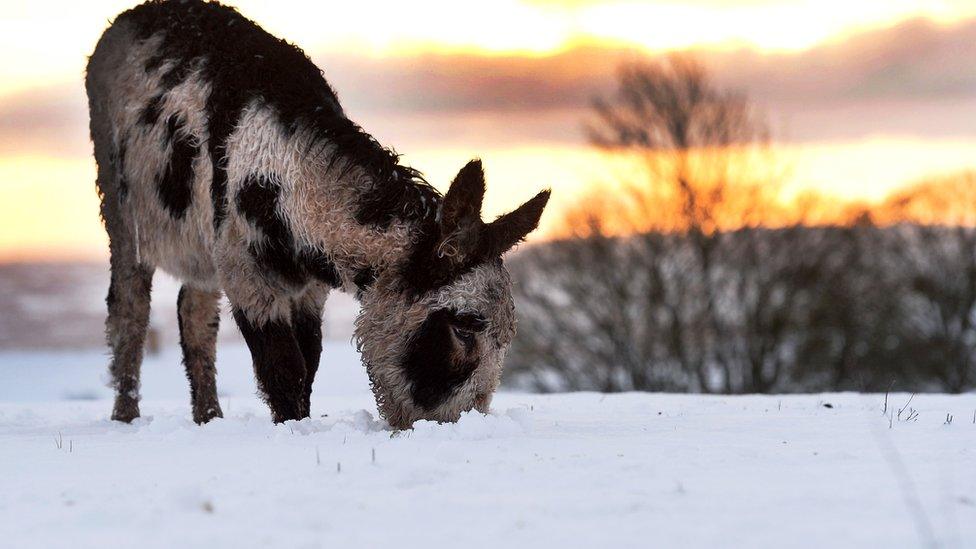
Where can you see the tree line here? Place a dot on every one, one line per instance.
(686, 273)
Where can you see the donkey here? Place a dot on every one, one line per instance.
(225, 159)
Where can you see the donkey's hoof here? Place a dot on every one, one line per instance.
(125, 410)
(205, 414)
(281, 416)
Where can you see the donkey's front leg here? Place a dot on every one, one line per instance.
(278, 364)
(306, 318)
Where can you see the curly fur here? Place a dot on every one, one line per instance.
(225, 159)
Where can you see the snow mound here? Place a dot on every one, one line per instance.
(475, 426)
(252, 424)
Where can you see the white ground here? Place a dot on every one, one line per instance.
(574, 470)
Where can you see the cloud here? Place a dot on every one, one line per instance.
(50, 120)
(916, 60)
(917, 78)
(462, 82)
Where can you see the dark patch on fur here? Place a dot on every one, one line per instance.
(178, 73)
(278, 252)
(218, 189)
(110, 298)
(430, 367)
(175, 187)
(150, 113)
(278, 365)
(258, 202)
(364, 279)
(123, 183)
(153, 63)
(320, 266)
(243, 63)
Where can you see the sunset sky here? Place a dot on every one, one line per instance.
(863, 96)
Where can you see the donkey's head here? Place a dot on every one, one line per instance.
(433, 335)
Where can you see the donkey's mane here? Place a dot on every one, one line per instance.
(398, 192)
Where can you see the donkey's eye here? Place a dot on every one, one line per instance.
(471, 322)
(464, 335)
(465, 326)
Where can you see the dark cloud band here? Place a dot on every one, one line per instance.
(917, 78)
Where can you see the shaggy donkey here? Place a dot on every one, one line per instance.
(225, 159)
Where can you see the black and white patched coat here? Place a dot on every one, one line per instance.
(225, 159)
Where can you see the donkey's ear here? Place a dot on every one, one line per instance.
(462, 205)
(511, 228)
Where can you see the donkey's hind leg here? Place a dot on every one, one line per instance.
(126, 326)
(131, 281)
(130, 286)
(199, 317)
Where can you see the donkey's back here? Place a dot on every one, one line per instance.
(167, 85)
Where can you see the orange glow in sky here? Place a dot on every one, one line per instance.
(48, 207)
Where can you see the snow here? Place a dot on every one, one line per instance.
(567, 470)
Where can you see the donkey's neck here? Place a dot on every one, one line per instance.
(388, 212)
(386, 190)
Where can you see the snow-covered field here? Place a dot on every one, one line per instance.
(572, 470)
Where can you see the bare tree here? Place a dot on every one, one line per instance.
(706, 162)
(704, 150)
(646, 305)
